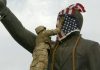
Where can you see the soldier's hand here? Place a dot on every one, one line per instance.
(58, 30)
(60, 22)
(2, 4)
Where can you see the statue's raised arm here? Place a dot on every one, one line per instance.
(15, 28)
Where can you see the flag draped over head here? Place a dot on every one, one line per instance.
(71, 9)
(70, 23)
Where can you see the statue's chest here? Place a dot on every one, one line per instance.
(62, 54)
(63, 57)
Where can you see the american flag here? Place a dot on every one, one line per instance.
(71, 9)
(70, 25)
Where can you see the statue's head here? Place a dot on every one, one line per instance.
(39, 29)
(72, 20)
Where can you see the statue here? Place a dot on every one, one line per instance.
(70, 52)
(43, 44)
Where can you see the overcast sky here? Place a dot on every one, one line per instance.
(42, 12)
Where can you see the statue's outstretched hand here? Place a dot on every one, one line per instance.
(2, 4)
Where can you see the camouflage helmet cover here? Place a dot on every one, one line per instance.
(39, 29)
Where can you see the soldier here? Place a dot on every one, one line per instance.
(40, 53)
(71, 52)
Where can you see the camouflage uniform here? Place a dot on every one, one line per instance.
(40, 53)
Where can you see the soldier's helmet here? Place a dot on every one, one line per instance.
(40, 29)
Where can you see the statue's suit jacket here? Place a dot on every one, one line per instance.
(88, 52)
(87, 55)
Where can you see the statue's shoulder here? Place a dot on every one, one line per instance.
(86, 46)
(87, 42)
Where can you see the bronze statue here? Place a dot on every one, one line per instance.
(43, 44)
(70, 52)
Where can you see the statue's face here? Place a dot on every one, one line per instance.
(68, 25)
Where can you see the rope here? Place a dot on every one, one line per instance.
(53, 55)
(74, 54)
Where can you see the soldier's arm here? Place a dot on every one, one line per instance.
(17, 31)
(57, 30)
(52, 32)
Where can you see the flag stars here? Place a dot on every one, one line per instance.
(73, 20)
(69, 25)
(66, 18)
